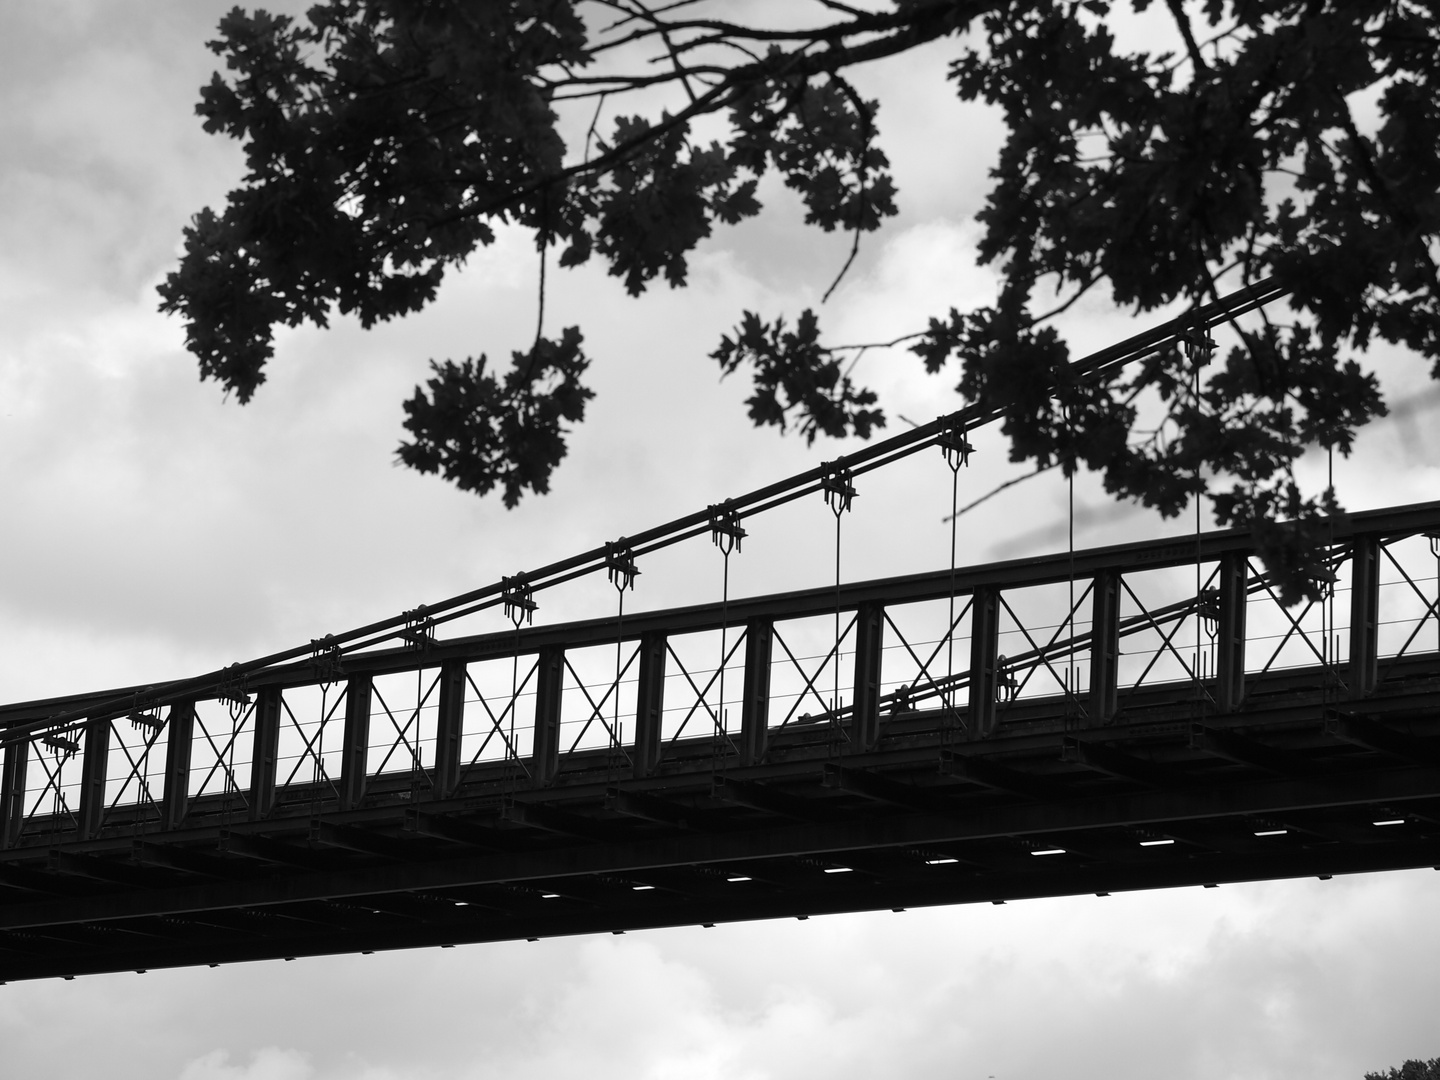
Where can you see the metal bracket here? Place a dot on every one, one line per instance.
(519, 600)
(325, 659)
(725, 528)
(232, 690)
(64, 748)
(955, 446)
(1198, 344)
(151, 720)
(837, 482)
(1007, 686)
(1209, 609)
(419, 628)
(620, 564)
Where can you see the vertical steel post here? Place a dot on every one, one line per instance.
(92, 778)
(549, 688)
(869, 652)
(355, 745)
(1230, 632)
(1104, 691)
(650, 703)
(265, 752)
(450, 727)
(1364, 615)
(984, 660)
(179, 736)
(12, 791)
(755, 704)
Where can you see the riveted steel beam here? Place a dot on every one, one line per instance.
(92, 778)
(755, 702)
(179, 738)
(355, 743)
(549, 684)
(650, 703)
(449, 727)
(12, 791)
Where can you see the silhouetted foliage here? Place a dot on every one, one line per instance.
(385, 141)
(1411, 1070)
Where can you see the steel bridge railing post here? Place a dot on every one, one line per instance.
(650, 704)
(755, 706)
(984, 661)
(355, 745)
(869, 652)
(1230, 631)
(179, 734)
(265, 752)
(92, 778)
(12, 791)
(549, 687)
(1364, 614)
(449, 728)
(1104, 693)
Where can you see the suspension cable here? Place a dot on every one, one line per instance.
(876, 455)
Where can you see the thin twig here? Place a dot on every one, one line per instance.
(997, 490)
(866, 134)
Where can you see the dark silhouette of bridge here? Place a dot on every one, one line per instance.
(1131, 717)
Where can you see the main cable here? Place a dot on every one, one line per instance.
(111, 704)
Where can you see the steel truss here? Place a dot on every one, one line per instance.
(1071, 724)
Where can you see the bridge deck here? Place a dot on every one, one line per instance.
(593, 777)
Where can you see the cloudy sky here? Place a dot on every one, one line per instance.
(152, 530)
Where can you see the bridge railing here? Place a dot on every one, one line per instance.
(1082, 637)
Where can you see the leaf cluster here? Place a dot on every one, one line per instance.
(796, 380)
(481, 432)
(386, 141)
(1156, 175)
(1414, 1069)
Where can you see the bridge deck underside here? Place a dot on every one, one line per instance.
(1169, 796)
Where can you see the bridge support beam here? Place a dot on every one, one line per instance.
(179, 733)
(984, 661)
(650, 703)
(265, 752)
(1364, 604)
(549, 684)
(355, 745)
(1104, 648)
(92, 778)
(12, 791)
(1230, 632)
(755, 706)
(450, 727)
(869, 643)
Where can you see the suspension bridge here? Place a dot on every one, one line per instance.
(1129, 717)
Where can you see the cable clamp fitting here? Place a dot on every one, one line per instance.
(63, 746)
(232, 690)
(1007, 686)
(1198, 344)
(325, 659)
(620, 564)
(837, 482)
(955, 446)
(725, 528)
(419, 628)
(518, 600)
(151, 721)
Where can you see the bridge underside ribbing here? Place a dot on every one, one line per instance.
(1154, 736)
